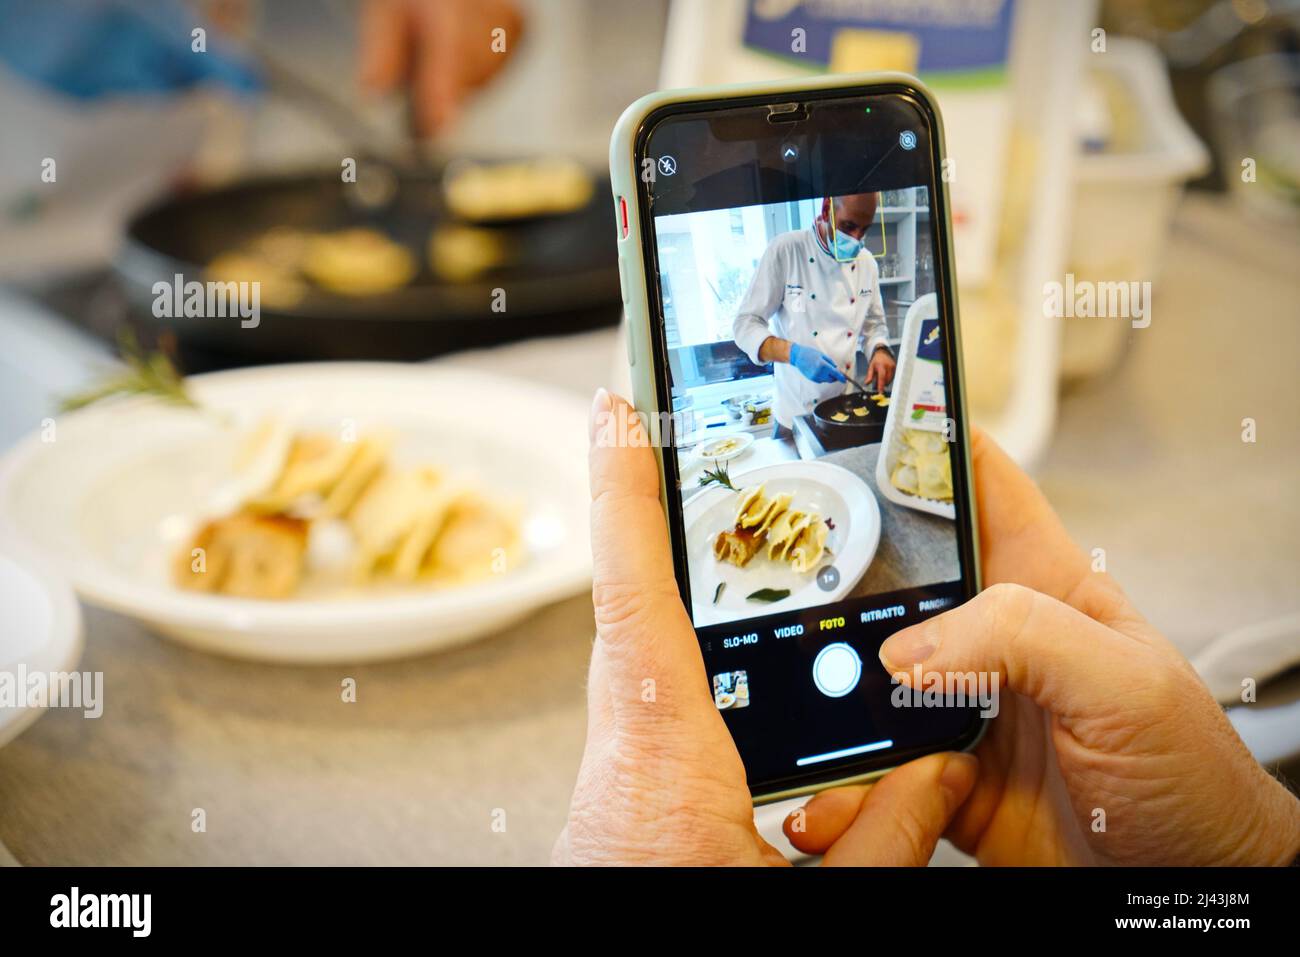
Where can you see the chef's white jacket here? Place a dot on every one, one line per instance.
(802, 293)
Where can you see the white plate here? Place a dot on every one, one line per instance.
(743, 441)
(112, 498)
(41, 630)
(829, 490)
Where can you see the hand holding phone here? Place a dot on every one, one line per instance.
(766, 234)
(661, 781)
(1102, 712)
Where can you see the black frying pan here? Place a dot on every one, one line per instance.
(560, 273)
(863, 429)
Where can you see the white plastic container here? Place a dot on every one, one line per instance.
(891, 442)
(1125, 197)
(1048, 44)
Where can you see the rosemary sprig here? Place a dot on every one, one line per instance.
(149, 375)
(718, 475)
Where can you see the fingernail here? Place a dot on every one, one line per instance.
(957, 773)
(908, 647)
(601, 406)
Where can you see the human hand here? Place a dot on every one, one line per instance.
(815, 366)
(1099, 714)
(880, 369)
(661, 781)
(443, 49)
(101, 51)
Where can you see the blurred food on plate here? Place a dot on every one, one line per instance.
(308, 504)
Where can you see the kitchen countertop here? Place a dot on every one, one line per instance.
(1200, 529)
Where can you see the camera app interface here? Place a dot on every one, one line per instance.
(812, 418)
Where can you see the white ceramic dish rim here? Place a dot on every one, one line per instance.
(534, 584)
(64, 642)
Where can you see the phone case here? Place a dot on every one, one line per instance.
(625, 181)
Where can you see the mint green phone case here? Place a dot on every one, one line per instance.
(625, 179)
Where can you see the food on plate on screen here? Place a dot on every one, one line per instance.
(923, 466)
(304, 505)
(787, 533)
(720, 447)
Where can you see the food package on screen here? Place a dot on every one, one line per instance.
(915, 463)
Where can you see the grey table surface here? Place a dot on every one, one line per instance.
(916, 548)
(1200, 529)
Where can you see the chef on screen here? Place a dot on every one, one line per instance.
(813, 303)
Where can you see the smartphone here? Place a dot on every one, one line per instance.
(786, 260)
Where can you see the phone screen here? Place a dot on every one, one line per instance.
(818, 503)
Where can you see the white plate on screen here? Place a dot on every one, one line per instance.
(112, 498)
(724, 447)
(829, 490)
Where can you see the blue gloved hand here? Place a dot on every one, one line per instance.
(815, 366)
(87, 49)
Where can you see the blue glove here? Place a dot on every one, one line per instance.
(87, 50)
(815, 366)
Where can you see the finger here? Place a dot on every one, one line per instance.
(600, 704)
(1023, 541)
(903, 816)
(1071, 665)
(383, 58)
(503, 16)
(641, 623)
(437, 82)
(823, 820)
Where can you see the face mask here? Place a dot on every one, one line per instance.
(845, 247)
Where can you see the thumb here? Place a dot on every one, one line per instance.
(643, 632)
(894, 823)
(1065, 661)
